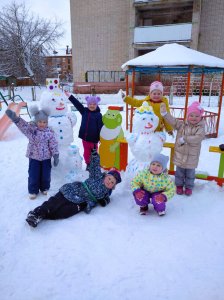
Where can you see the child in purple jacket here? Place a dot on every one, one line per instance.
(41, 147)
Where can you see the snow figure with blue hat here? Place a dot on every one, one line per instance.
(74, 163)
(144, 142)
(61, 121)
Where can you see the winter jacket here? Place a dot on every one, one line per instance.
(42, 142)
(153, 183)
(187, 155)
(91, 190)
(156, 108)
(91, 122)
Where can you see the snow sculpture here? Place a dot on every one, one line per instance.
(62, 122)
(74, 163)
(143, 141)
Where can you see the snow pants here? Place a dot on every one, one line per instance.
(185, 177)
(150, 198)
(88, 146)
(39, 175)
(58, 207)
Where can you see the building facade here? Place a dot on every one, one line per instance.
(105, 34)
(59, 64)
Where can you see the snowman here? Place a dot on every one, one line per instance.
(61, 121)
(144, 142)
(74, 170)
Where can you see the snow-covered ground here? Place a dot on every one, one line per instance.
(112, 253)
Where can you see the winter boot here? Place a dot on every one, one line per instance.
(33, 218)
(161, 213)
(144, 210)
(32, 196)
(188, 192)
(179, 190)
(44, 192)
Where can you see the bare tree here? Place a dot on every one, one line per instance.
(25, 40)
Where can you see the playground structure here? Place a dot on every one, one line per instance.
(16, 106)
(5, 122)
(184, 72)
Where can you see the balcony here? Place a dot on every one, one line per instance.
(163, 33)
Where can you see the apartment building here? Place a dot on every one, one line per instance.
(105, 34)
(59, 64)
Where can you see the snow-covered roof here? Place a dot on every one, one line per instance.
(175, 55)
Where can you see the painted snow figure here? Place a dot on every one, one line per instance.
(111, 132)
(74, 163)
(62, 122)
(144, 142)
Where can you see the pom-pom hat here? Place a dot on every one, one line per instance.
(92, 99)
(195, 107)
(116, 175)
(39, 115)
(162, 159)
(156, 85)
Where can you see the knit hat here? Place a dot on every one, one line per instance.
(156, 85)
(162, 159)
(92, 99)
(39, 115)
(115, 174)
(195, 107)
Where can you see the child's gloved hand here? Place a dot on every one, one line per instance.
(12, 115)
(56, 159)
(67, 93)
(163, 110)
(123, 95)
(221, 147)
(104, 201)
(181, 141)
(160, 198)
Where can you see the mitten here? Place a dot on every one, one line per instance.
(181, 141)
(221, 147)
(12, 115)
(160, 198)
(104, 201)
(56, 159)
(163, 110)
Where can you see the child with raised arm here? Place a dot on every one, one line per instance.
(75, 197)
(41, 148)
(153, 185)
(91, 123)
(190, 134)
(154, 99)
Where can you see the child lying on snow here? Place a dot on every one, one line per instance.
(78, 196)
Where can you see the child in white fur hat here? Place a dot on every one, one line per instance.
(41, 147)
(154, 99)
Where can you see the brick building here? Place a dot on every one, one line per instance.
(105, 34)
(59, 64)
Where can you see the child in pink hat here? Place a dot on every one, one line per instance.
(154, 99)
(190, 134)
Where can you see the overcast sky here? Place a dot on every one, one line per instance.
(49, 9)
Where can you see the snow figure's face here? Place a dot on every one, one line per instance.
(112, 119)
(56, 101)
(144, 119)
